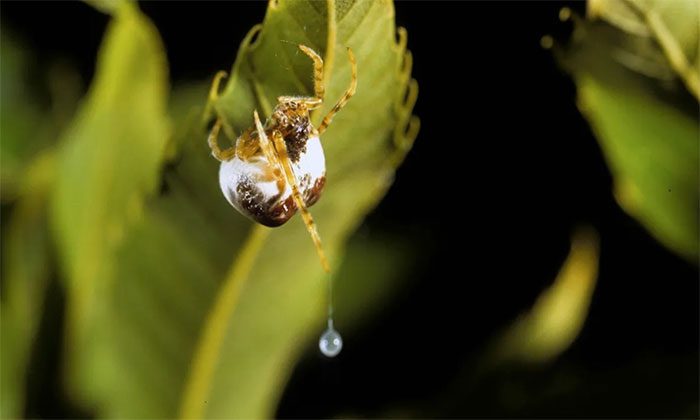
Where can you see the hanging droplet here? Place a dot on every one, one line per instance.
(330, 342)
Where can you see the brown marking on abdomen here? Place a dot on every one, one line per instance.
(312, 195)
(273, 213)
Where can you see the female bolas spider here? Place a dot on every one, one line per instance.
(277, 168)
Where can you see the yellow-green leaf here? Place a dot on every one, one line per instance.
(652, 150)
(26, 272)
(109, 161)
(672, 26)
(374, 267)
(559, 313)
(633, 64)
(107, 6)
(27, 128)
(207, 314)
(271, 302)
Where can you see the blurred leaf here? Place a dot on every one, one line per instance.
(559, 313)
(20, 115)
(171, 335)
(166, 273)
(27, 124)
(26, 271)
(109, 161)
(647, 123)
(374, 268)
(672, 25)
(107, 6)
(654, 159)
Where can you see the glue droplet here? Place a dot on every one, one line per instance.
(330, 342)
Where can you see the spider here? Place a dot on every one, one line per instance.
(275, 169)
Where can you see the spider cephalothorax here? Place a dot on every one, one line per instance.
(292, 120)
(278, 168)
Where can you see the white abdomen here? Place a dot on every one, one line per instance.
(251, 187)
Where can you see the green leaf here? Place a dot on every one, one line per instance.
(107, 6)
(271, 301)
(652, 150)
(26, 272)
(109, 161)
(635, 95)
(374, 267)
(28, 127)
(25, 126)
(559, 313)
(673, 26)
(206, 314)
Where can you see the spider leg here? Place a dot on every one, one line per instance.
(319, 88)
(267, 147)
(269, 152)
(346, 96)
(311, 103)
(220, 155)
(212, 140)
(281, 149)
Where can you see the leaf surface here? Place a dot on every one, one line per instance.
(635, 66)
(559, 313)
(109, 160)
(205, 314)
(272, 298)
(26, 271)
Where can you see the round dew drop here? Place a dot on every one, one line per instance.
(330, 342)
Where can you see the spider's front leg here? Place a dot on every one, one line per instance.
(213, 139)
(346, 96)
(281, 149)
(319, 88)
(268, 150)
(220, 155)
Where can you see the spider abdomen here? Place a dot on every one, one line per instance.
(256, 190)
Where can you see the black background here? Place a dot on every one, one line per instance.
(503, 170)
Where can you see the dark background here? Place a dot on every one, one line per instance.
(503, 170)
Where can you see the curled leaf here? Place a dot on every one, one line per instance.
(559, 313)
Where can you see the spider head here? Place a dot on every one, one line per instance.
(290, 116)
(289, 110)
(291, 119)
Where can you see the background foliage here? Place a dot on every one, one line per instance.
(170, 295)
(130, 288)
(636, 67)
